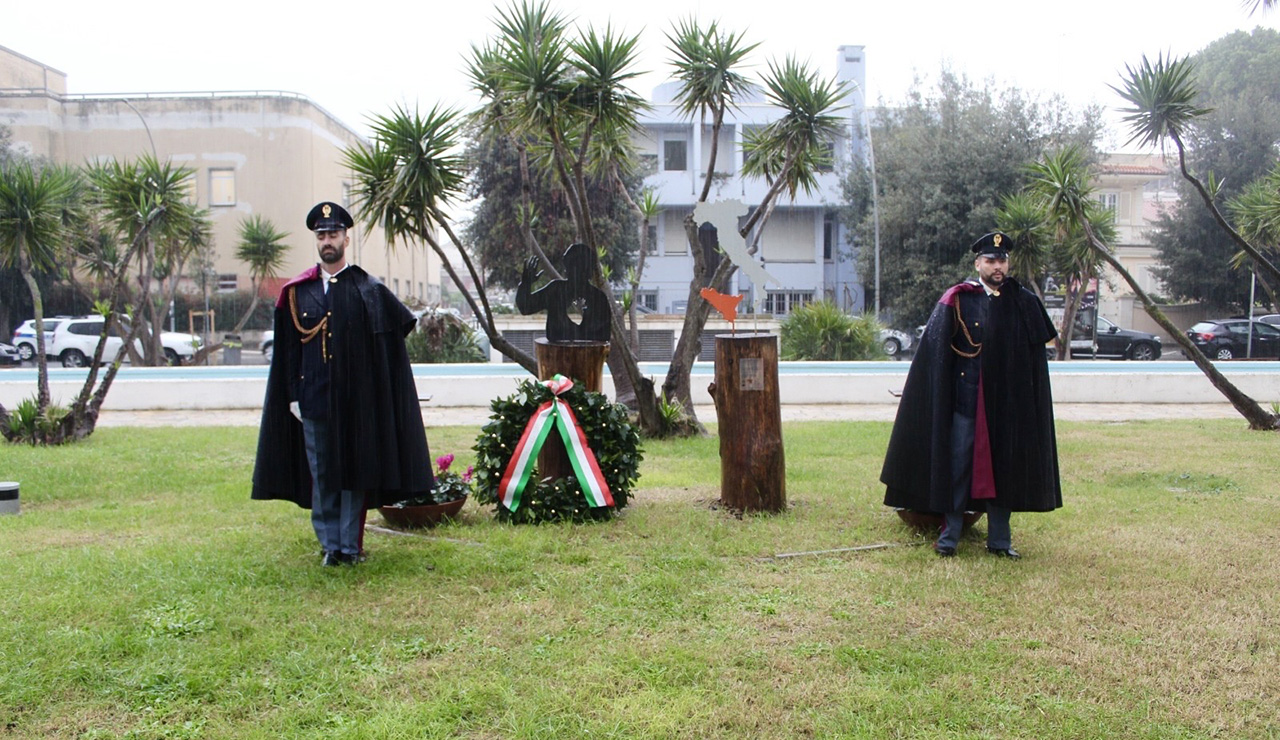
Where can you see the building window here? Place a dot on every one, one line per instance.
(827, 157)
(675, 155)
(1110, 202)
(647, 301)
(222, 187)
(828, 236)
(422, 293)
(674, 238)
(396, 282)
(783, 302)
(226, 283)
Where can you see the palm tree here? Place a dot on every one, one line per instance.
(406, 178)
(147, 203)
(707, 63)
(787, 153)
(1021, 216)
(1257, 210)
(262, 248)
(1162, 97)
(565, 104)
(1062, 180)
(38, 203)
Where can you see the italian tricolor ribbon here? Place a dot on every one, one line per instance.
(554, 414)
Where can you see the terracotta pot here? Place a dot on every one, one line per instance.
(427, 515)
(930, 522)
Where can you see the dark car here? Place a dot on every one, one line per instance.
(1113, 342)
(1229, 339)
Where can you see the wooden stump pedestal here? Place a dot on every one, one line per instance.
(753, 475)
(583, 362)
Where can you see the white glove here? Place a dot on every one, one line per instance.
(296, 410)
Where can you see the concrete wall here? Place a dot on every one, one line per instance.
(866, 383)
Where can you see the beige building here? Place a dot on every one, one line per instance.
(1137, 188)
(270, 153)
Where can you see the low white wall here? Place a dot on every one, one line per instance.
(1125, 385)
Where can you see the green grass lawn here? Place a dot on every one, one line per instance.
(145, 596)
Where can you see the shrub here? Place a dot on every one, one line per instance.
(443, 337)
(821, 331)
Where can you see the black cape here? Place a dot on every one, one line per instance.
(1017, 401)
(375, 419)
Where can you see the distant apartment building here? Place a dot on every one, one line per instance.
(275, 154)
(804, 246)
(1137, 189)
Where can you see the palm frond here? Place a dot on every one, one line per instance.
(707, 63)
(1162, 99)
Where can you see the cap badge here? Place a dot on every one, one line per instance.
(995, 239)
(326, 209)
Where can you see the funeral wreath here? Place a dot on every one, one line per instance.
(604, 449)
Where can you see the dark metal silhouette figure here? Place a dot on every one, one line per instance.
(557, 296)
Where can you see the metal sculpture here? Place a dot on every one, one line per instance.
(558, 296)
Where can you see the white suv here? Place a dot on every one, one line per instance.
(75, 339)
(24, 337)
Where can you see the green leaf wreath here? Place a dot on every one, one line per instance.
(609, 432)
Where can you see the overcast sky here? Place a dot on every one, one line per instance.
(362, 57)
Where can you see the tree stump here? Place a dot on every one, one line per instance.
(748, 409)
(581, 361)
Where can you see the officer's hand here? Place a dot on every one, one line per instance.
(296, 410)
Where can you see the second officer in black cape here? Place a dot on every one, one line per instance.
(974, 430)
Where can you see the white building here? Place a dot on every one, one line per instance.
(803, 245)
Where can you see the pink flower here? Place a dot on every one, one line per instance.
(443, 462)
(466, 477)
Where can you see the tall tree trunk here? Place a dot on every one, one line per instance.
(37, 306)
(1069, 312)
(253, 305)
(1248, 408)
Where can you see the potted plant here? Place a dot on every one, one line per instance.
(442, 502)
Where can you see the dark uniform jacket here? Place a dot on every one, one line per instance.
(353, 373)
(1016, 454)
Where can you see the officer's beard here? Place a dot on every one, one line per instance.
(330, 255)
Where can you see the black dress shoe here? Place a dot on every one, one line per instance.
(1004, 552)
(331, 558)
(944, 552)
(351, 558)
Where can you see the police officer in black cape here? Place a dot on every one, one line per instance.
(341, 423)
(974, 430)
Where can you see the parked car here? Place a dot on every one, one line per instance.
(894, 342)
(1271, 318)
(1113, 341)
(24, 337)
(1229, 339)
(9, 355)
(75, 340)
(268, 344)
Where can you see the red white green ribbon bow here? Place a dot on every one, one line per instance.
(554, 414)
